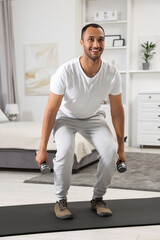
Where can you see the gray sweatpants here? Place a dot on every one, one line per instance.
(97, 132)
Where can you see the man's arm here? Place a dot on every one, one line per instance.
(52, 107)
(117, 113)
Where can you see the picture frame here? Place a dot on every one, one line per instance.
(118, 42)
(110, 38)
(40, 63)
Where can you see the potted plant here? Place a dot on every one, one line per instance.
(147, 53)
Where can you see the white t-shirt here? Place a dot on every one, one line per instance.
(83, 95)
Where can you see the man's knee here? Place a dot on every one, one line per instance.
(65, 151)
(112, 149)
(109, 154)
(109, 148)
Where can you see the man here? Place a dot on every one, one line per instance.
(76, 92)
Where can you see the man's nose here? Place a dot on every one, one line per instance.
(96, 43)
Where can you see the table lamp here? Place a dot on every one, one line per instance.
(11, 111)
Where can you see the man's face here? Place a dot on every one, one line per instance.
(93, 42)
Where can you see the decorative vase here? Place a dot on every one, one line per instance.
(146, 66)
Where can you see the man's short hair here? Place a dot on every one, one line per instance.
(94, 25)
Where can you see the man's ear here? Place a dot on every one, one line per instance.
(81, 42)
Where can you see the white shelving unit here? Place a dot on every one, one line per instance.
(116, 55)
(122, 56)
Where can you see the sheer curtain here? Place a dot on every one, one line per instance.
(8, 89)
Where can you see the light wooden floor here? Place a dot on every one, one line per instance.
(14, 192)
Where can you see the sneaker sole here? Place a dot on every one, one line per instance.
(65, 217)
(104, 214)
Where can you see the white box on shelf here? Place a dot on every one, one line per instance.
(106, 16)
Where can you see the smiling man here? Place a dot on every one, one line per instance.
(76, 92)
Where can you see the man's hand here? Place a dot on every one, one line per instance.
(121, 157)
(41, 157)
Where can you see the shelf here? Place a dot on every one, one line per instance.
(115, 48)
(108, 22)
(144, 71)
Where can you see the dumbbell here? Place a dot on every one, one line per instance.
(44, 168)
(121, 167)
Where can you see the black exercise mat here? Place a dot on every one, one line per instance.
(40, 218)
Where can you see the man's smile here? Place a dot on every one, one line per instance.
(95, 50)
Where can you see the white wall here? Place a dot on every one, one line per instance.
(43, 21)
(145, 21)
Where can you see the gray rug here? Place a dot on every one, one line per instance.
(143, 173)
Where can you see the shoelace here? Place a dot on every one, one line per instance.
(62, 204)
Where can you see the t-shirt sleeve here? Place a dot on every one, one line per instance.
(57, 83)
(117, 88)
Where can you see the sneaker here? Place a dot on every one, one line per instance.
(100, 206)
(61, 210)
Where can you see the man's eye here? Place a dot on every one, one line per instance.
(101, 40)
(91, 39)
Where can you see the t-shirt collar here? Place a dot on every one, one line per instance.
(81, 69)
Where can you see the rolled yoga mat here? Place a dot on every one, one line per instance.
(40, 218)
